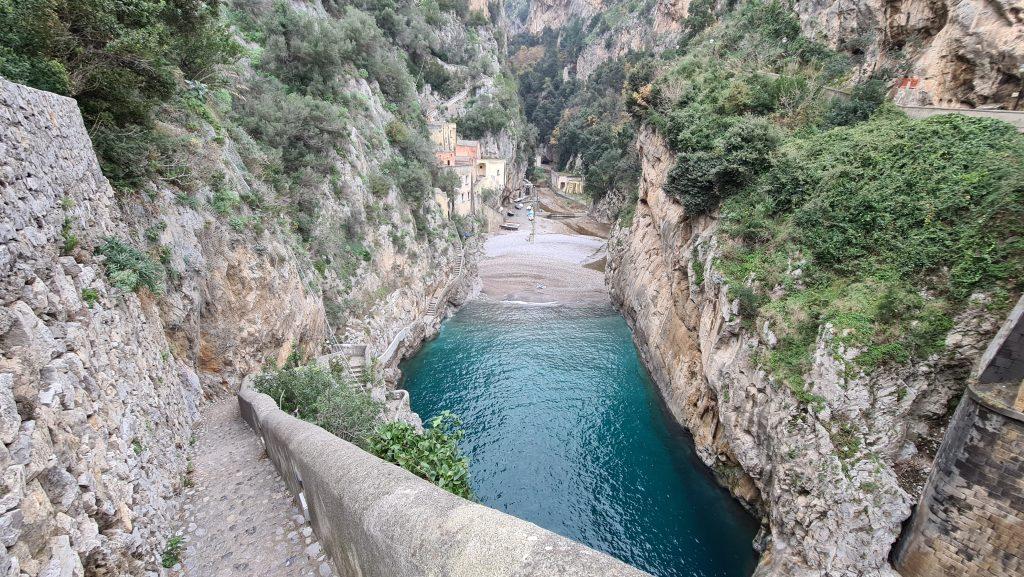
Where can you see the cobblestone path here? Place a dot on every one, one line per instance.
(239, 520)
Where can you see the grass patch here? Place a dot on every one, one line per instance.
(129, 269)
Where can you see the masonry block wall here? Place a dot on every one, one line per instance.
(970, 521)
(1003, 362)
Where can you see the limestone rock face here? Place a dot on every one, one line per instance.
(555, 14)
(833, 484)
(958, 53)
(965, 53)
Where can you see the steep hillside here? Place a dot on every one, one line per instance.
(809, 274)
(252, 180)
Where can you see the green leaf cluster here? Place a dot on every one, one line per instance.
(130, 269)
(433, 455)
(328, 399)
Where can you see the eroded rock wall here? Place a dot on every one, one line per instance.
(965, 53)
(835, 483)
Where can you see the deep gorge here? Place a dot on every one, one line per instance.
(198, 192)
(564, 428)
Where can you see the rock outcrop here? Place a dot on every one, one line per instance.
(964, 53)
(834, 483)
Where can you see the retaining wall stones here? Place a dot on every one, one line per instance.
(94, 412)
(378, 520)
(970, 521)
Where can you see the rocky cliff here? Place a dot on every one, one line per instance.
(959, 53)
(964, 53)
(833, 483)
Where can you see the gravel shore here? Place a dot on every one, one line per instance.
(548, 270)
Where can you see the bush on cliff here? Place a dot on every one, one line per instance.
(117, 59)
(893, 224)
(325, 397)
(130, 269)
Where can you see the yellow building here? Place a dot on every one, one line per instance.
(464, 195)
(567, 183)
(442, 134)
(490, 174)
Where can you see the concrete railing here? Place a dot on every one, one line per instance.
(378, 520)
(389, 352)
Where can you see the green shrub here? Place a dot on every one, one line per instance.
(324, 397)
(129, 269)
(297, 390)
(627, 213)
(486, 116)
(698, 268)
(919, 196)
(117, 59)
(225, 200)
(69, 241)
(172, 552)
(349, 413)
(700, 179)
(864, 99)
(152, 233)
(433, 455)
(90, 296)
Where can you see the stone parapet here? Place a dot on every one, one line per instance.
(970, 521)
(378, 520)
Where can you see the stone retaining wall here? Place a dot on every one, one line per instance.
(378, 520)
(93, 410)
(970, 521)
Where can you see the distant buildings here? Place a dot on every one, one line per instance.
(443, 135)
(475, 174)
(566, 183)
(490, 173)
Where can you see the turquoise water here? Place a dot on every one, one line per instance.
(564, 428)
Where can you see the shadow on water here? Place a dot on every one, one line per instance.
(565, 428)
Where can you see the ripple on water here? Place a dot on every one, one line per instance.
(564, 428)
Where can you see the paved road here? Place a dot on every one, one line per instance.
(239, 520)
(1015, 118)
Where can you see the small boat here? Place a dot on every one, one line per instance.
(510, 225)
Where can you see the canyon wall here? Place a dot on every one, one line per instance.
(963, 53)
(835, 483)
(959, 53)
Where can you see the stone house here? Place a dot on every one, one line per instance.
(490, 173)
(443, 135)
(567, 183)
(463, 200)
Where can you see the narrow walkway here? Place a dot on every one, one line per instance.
(239, 520)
